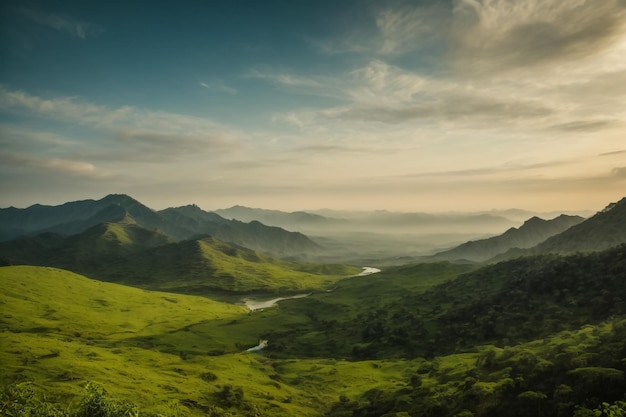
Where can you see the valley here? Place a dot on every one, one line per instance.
(138, 312)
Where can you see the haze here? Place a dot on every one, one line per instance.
(399, 105)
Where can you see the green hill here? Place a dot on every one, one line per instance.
(208, 264)
(507, 303)
(177, 355)
(172, 355)
(127, 253)
(178, 223)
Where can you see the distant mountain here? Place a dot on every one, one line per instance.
(68, 218)
(531, 233)
(177, 223)
(602, 231)
(298, 220)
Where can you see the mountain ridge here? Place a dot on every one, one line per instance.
(603, 230)
(532, 232)
(177, 223)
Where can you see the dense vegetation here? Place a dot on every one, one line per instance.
(542, 336)
(129, 254)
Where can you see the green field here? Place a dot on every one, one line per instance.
(167, 353)
(343, 351)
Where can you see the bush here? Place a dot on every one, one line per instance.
(97, 404)
(20, 400)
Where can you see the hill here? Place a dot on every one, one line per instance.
(298, 220)
(176, 223)
(127, 253)
(531, 233)
(449, 308)
(178, 355)
(604, 230)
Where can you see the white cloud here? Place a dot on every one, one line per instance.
(495, 35)
(63, 23)
(48, 165)
(219, 86)
(285, 79)
(407, 29)
(146, 135)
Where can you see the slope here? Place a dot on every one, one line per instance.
(531, 233)
(507, 303)
(177, 223)
(605, 229)
(87, 251)
(173, 355)
(205, 265)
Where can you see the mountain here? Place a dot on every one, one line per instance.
(298, 220)
(188, 221)
(177, 223)
(129, 254)
(202, 265)
(439, 308)
(604, 230)
(531, 233)
(89, 250)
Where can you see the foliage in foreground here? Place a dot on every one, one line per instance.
(21, 400)
(580, 374)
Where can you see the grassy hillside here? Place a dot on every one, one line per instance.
(176, 355)
(127, 253)
(208, 265)
(169, 354)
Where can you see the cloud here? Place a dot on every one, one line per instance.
(586, 125)
(613, 153)
(495, 35)
(284, 79)
(382, 92)
(219, 87)
(158, 146)
(147, 135)
(406, 29)
(396, 29)
(63, 23)
(618, 173)
(49, 165)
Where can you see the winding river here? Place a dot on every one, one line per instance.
(254, 304)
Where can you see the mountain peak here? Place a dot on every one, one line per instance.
(534, 221)
(611, 206)
(120, 199)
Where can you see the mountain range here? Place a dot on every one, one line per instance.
(176, 223)
(531, 233)
(541, 334)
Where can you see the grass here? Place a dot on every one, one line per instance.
(62, 330)
(173, 354)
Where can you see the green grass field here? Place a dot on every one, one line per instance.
(162, 351)
(181, 355)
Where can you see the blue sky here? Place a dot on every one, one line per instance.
(456, 105)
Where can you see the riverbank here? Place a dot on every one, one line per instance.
(256, 304)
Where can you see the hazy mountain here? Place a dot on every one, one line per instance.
(531, 233)
(177, 223)
(67, 218)
(604, 230)
(290, 220)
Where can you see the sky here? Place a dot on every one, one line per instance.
(450, 105)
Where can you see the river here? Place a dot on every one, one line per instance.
(254, 304)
